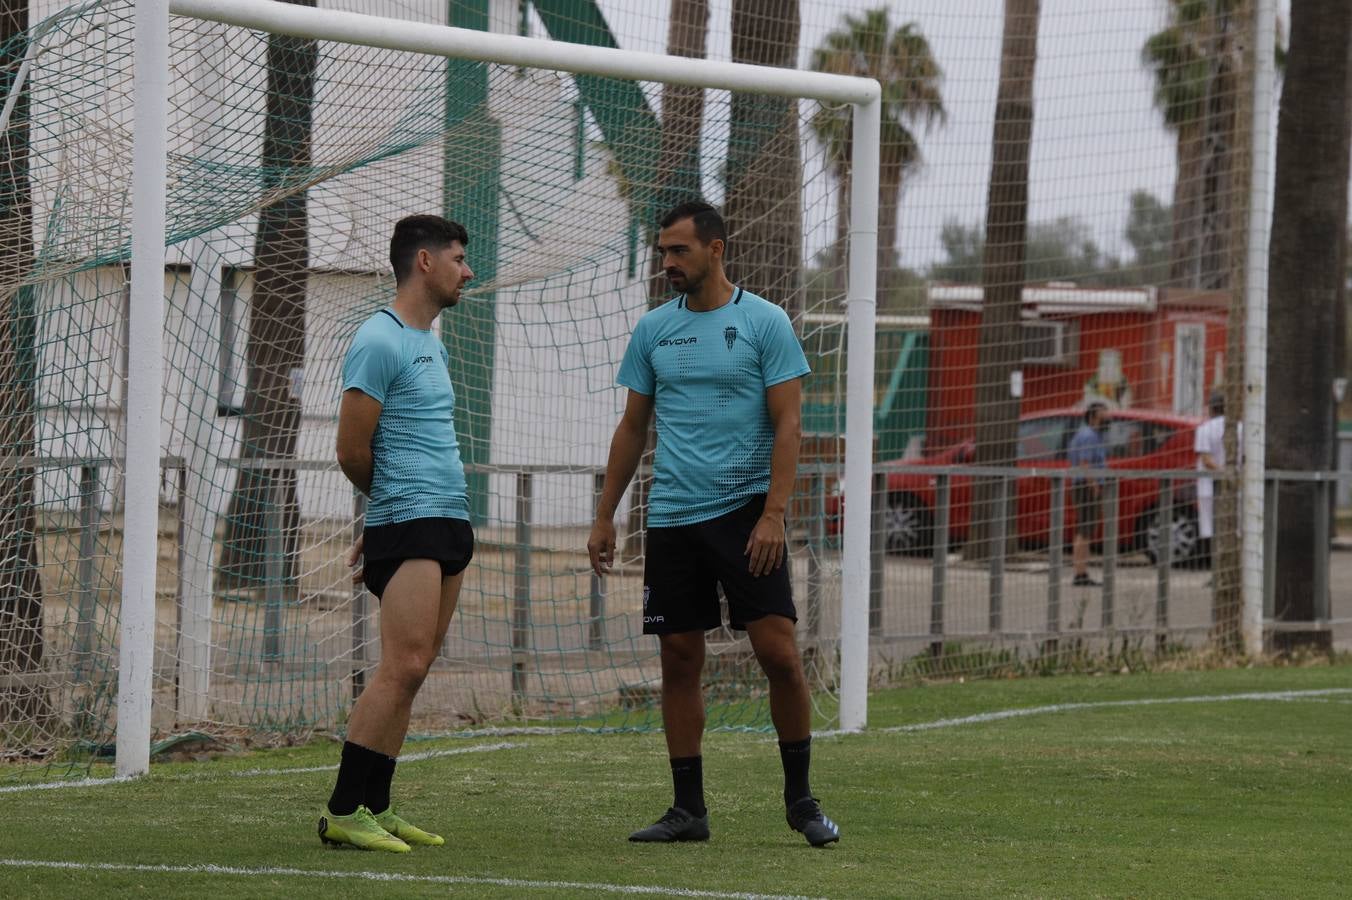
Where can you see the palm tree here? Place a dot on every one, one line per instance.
(764, 207)
(1177, 56)
(678, 167)
(1309, 227)
(997, 410)
(276, 345)
(1196, 60)
(901, 61)
(23, 702)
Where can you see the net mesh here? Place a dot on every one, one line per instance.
(289, 162)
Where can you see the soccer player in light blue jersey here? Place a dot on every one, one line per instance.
(721, 370)
(397, 444)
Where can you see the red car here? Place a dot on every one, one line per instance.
(1135, 439)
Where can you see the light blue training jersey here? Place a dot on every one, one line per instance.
(708, 373)
(418, 473)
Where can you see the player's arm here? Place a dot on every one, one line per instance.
(765, 547)
(626, 449)
(358, 414)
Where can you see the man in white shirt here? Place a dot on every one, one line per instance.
(1209, 444)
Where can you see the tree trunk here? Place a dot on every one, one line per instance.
(889, 202)
(1306, 287)
(24, 706)
(1227, 603)
(265, 498)
(1184, 253)
(1218, 184)
(678, 166)
(1001, 343)
(840, 255)
(764, 207)
(678, 171)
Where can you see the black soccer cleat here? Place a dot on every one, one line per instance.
(805, 816)
(675, 825)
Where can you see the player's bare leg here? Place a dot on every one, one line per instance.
(683, 720)
(772, 639)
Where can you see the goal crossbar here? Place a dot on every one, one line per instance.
(464, 43)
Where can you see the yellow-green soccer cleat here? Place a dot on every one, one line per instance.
(409, 834)
(358, 830)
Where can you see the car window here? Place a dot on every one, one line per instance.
(1042, 440)
(1158, 435)
(1125, 439)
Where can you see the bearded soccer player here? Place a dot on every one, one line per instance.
(397, 444)
(721, 369)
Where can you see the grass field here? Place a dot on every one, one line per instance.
(1148, 785)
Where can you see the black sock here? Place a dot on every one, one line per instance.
(687, 774)
(378, 784)
(796, 756)
(350, 789)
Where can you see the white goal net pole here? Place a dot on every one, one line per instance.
(862, 305)
(150, 156)
(1255, 326)
(145, 388)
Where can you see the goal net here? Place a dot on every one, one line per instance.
(289, 161)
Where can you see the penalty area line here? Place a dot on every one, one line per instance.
(400, 877)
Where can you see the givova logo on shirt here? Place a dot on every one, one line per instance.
(676, 342)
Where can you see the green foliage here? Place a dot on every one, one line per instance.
(1060, 250)
(1064, 250)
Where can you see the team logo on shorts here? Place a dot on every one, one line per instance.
(730, 336)
(647, 592)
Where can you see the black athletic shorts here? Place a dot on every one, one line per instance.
(686, 564)
(1087, 509)
(385, 547)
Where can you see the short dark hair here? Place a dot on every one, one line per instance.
(1093, 408)
(414, 233)
(1217, 403)
(709, 225)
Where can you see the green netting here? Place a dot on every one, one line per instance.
(289, 162)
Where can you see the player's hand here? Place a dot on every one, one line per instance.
(765, 547)
(601, 545)
(353, 556)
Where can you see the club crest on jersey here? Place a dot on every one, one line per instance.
(730, 335)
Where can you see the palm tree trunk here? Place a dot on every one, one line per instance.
(840, 255)
(265, 498)
(1227, 599)
(764, 208)
(889, 202)
(1314, 141)
(1000, 350)
(24, 706)
(1185, 255)
(678, 172)
(1218, 185)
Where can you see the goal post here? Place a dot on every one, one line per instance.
(150, 239)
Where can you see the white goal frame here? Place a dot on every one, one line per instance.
(146, 358)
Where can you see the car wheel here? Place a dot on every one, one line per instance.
(908, 525)
(1184, 536)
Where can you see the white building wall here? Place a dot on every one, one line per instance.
(565, 303)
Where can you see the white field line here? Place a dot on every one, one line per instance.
(999, 715)
(251, 773)
(274, 872)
